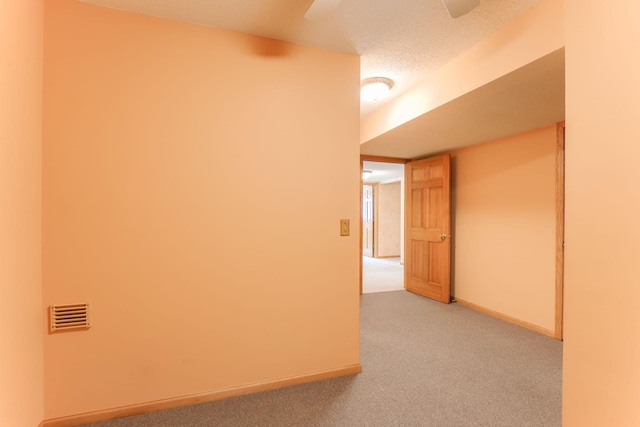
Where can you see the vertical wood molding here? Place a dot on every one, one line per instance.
(376, 218)
(559, 231)
(360, 221)
(407, 222)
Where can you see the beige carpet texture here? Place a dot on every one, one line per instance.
(382, 275)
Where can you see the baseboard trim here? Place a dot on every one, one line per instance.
(506, 318)
(159, 405)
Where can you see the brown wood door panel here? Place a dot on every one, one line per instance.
(427, 221)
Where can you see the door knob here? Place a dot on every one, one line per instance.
(443, 236)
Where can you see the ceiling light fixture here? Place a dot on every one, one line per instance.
(366, 174)
(375, 88)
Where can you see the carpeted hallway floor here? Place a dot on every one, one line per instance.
(382, 274)
(424, 364)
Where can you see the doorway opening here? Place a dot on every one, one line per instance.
(382, 237)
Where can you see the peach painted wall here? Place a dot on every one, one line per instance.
(21, 320)
(601, 376)
(177, 164)
(504, 235)
(528, 38)
(388, 228)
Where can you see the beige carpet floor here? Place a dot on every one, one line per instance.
(382, 275)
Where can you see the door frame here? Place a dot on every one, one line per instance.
(560, 148)
(374, 220)
(368, 158)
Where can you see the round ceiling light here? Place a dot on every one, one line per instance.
(374, 89)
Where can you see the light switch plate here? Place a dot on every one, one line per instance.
(344, 227)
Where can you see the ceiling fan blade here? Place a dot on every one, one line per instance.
(319, 9)
(457, 8)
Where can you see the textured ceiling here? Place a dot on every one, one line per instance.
(400, 39)
(384, 172)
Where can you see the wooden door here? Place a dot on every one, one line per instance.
(427, 228)
(367, 220)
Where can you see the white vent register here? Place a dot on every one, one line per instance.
(69, 316)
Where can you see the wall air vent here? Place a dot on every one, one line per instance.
(69, 316)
